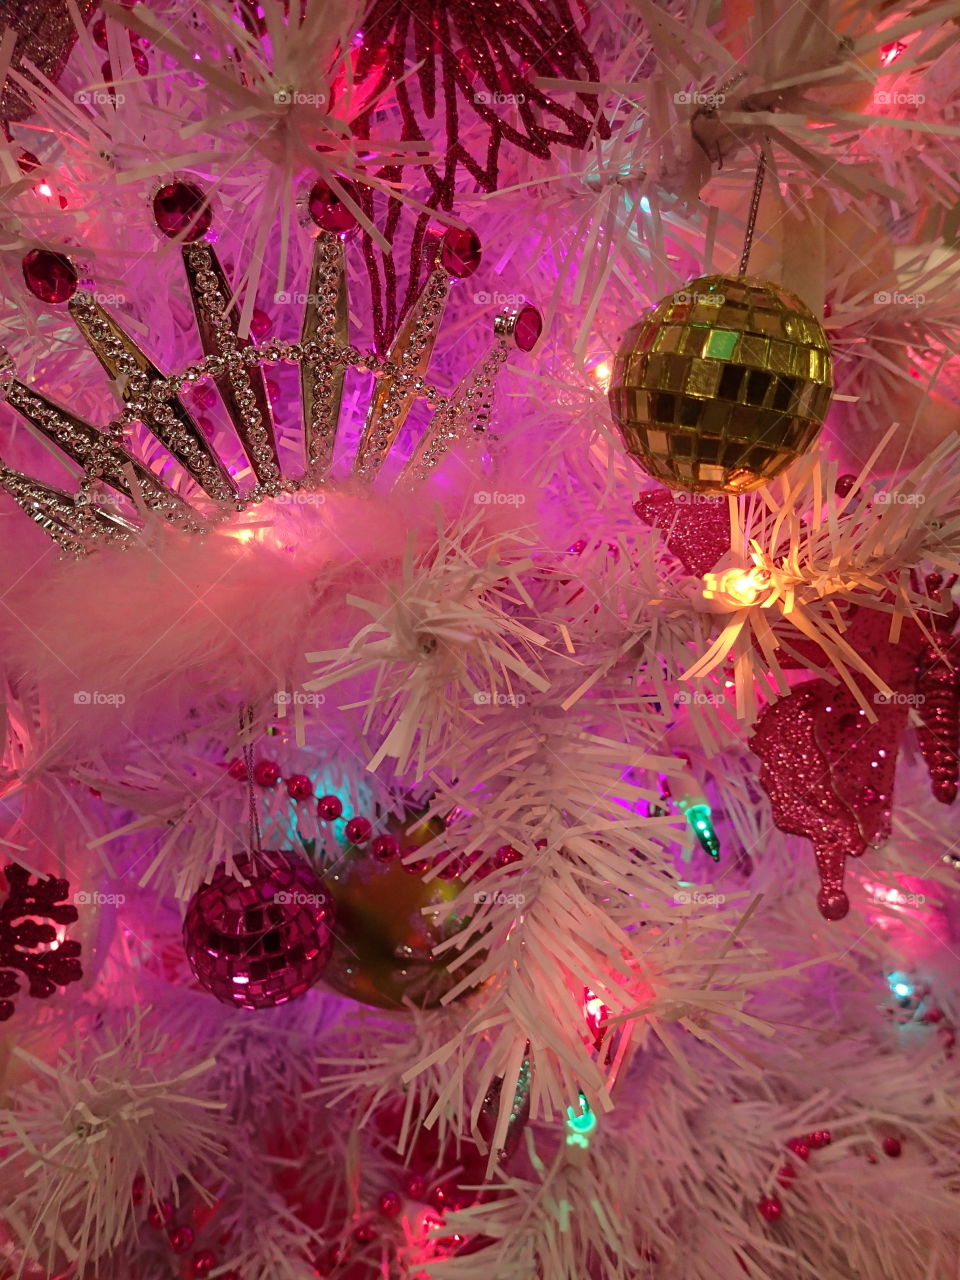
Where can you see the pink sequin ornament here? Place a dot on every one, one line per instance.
(262, 943)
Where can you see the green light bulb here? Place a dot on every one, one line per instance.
(698, 815)
(579, 1127)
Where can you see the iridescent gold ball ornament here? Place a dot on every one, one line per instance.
(383, 942)
(722, 385)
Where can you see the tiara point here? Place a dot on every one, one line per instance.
(182, 211)
(327, 210)
(460, 252)
(50, 276)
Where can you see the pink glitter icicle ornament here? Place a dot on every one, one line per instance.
(262, 943)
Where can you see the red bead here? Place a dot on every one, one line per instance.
(99, 32)
(260, 324)
(237, 769)
(266, 773)
(415, 1186)
(364, 1233)
(892, 1147)
(27, 162)
(160, 1215)
(416, 868)
(182, 211)
(384, 848)
(389, 1204)
(786, 1174)
(139, 61)
(527, 328)
(49, 276)
(770, 1208)
(460, 252)
(358, 830)
(819, 1138)
(203, 1262)
(329, 808)
(507, 854)
(137, 1190)
(439, 1197)
(327, 209)
(844, 485)
(299, 786)
(181, 1239)
(799, 1148)
(933, 1015)
(327, 1265)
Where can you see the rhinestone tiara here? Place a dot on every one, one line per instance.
(79, 522)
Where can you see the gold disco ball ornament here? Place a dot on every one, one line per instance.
(722, 385)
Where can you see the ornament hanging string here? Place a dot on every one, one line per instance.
(752, 215)
(246, 728)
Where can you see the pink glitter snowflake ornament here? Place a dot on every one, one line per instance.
(31, 945)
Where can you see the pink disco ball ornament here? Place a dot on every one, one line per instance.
(261, 943)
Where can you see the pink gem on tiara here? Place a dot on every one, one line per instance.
(460, 252)
(182, 211)
(327, 209)
(528, 328)
(49, 276)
